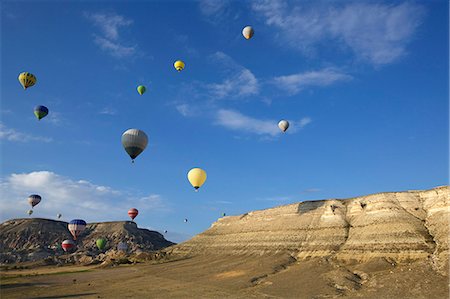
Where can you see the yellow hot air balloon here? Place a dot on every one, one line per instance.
(179, 65)
(197, 177)
(27, 79)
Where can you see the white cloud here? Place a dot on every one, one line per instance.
(235, 120)
(108, 111)
(71, 198)
(185, 109)
(296, 82)
(109, 41)
(242, 84)
(378, 33)
(13, 135)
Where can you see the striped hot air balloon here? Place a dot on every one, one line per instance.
(133, 213)
(76, 227)
(34, 199)
(68, 245)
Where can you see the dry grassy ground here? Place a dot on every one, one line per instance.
(274, 276)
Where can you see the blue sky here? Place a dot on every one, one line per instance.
(364, 85)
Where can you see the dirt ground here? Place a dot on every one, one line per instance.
(279, 276)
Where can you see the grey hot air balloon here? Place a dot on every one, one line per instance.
(134, 141)
(58, 215)
(283, 125)
(34, 199)
(29, 212)
(248, 32)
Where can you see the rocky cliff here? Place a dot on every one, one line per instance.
(396, 225)
(33, 239)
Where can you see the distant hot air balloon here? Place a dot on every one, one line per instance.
(248, 32)
(165, 231)
(179, 65)
(185, 220)
(122, 246)
(29, 212)
(133, 213)
(34, 199)
(59, 216)
(27, 79)
(101, 243)
(223, 214)
(68, 245)
(134, 141)
(197, 177)
(141, 89)
(40, 112)
(76, 227)
(283, 125)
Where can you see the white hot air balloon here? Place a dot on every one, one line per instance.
(283, 125)
(248, 32)
(134, 142)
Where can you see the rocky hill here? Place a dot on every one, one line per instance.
(395, 225)
(36, 238)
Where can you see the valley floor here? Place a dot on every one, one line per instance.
(279, 276)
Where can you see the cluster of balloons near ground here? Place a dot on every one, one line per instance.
(134, 142)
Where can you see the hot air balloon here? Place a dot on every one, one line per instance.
(133, 213)
(134, 141)
(165, 231)
(141, 89)
(283, 125)
(122, 246)
(101, 243)
(76, 227)
(179, 65)
(59, 216)
(197, 177)
(248, 32)
(29, 212)
(34, 199)
(68, 245)
(40, 112)
(185, 220)
(27, 79)
(223, 214)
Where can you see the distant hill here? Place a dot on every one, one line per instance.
(36, 238)
(401, 226)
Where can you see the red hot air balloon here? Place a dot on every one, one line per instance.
(133, 213)
(68, 245)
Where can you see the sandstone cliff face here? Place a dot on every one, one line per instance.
(397, 225)
(34, 239)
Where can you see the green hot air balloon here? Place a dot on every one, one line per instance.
(40, 112)
(101, 243)
(141, 89)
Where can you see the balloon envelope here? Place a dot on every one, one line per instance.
(133, 213)
(76, 227)
(40, 112)
(59, 216)
(68, 245)
(29, 212)
(34, 199)
(197, 177)
(27, 79)
(141, 89)
(283, 125)
(179, 65)
(248, 32)
(101, 243)
(134, 142)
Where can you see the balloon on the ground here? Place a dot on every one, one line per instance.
(283, 125)
(29, 212)
(101, 243)
(40, 112)
(76, 227)
(122, 246)
(133, 213)
(27, 79)
(197, 177)
(34, 199)
(248, 32)
(141, 89)
(68, 245)
(179, 65)
(134, 142)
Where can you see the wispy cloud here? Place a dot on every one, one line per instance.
(293, 84)
(72, 198)
(211, 7)
(235, 120)
(109, 39)
(13, 135)
(311, 190)
(186, 110)
(108, 111)
(375, 32)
